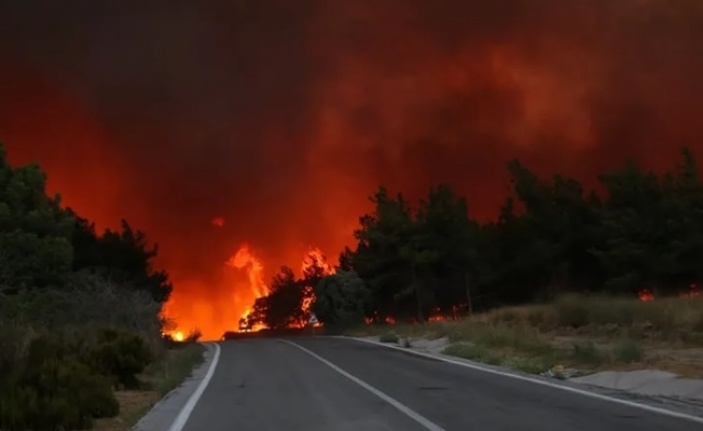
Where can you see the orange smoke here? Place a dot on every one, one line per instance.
(573, 87)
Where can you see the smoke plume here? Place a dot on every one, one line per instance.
(279, 118)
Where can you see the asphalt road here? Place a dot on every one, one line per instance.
(269, 384)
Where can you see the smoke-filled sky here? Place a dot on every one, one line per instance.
(282, 116)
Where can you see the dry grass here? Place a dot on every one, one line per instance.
(587, 333)
(133, 405)
(158, 381)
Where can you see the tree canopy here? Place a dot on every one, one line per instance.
(43, 244)
(413, 261)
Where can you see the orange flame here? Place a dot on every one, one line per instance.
(196, 310)
(645, 295)
(197, 306)
(245, 260)
(693, 292)
(314, 258)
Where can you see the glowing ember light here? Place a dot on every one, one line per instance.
(645, 295)
(693, 292)
(218, 221)
(178, 336)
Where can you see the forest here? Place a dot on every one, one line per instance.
(79, 310)
(640, 233)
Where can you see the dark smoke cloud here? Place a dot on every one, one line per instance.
(282, 116)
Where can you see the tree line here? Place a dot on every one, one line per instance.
(413, 261)
(79, 310)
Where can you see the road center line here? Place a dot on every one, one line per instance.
(412, 414)
(187, 409)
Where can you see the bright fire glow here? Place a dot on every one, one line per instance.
(646, 295)
(216, 315)
(245, 260)
(314, 258)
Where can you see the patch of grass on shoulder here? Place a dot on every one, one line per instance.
(628, 351)
(160, 379)
(473, 352)
(587, 353)
(179, 364)
(389, 337)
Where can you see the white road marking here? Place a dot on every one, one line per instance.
(187, 409)
(566, 388)
(412, 414)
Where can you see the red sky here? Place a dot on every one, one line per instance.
(281, 117)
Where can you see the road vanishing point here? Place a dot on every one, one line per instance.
(341, 384)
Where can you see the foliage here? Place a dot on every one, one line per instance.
(283, 306)
(552, 238)
(61, 285)
(35, 232)
(342, 300)
(120, 356)
(179, 366)
(49, 387)
(124, 257)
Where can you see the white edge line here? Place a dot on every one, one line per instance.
(412, 414)
(187, 409)
(583, 392)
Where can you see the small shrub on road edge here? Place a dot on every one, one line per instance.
(628, 351)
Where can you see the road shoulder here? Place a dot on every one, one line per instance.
(164, 412)
(674, 405)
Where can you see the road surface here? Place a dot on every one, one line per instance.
(335, 384)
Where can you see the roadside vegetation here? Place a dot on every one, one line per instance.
(81, 342)
(578, 333)
(564, 275)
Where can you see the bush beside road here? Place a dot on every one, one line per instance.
(81, 342)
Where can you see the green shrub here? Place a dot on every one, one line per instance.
(51, 389)
(628, 351)
(121, 356)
